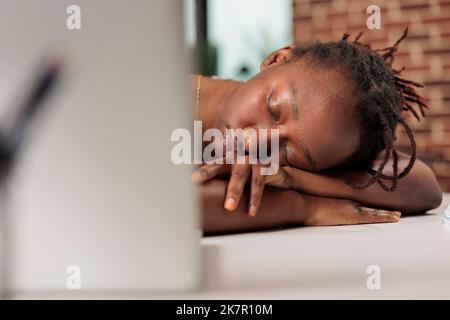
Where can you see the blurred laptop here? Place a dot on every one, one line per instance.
(95, 204)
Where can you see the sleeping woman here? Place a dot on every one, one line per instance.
(337, 106)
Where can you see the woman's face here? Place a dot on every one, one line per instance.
(311, 107)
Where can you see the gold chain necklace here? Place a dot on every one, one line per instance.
(197, 108)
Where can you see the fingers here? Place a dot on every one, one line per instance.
(239, 175)
(256, 191)
(371, 215)
(238, 179)
(336, 212)
(207, 172)
(282, 179)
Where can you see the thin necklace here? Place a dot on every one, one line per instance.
(198, 96)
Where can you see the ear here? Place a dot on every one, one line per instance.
(282, 55)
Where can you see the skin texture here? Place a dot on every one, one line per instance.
(317, 135)
(297, 209)
(417, 193)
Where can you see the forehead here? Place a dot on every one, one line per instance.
(326, 86)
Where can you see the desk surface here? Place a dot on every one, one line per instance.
(413, 257)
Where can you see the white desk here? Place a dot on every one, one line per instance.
(331, 262)
(322, 263)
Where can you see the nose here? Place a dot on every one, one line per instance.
(261, 142)
(265, 132)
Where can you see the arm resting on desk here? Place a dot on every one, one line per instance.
(417, 192)
(279, 207)
(282, 207)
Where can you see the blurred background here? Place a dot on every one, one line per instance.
(229, 39)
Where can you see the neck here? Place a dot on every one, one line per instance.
(214, 94)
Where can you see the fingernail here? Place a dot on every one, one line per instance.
(230, 204)
(252, 210)
(396, 218)
(196, 177)
(396, 214)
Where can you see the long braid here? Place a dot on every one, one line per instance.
(377, 175)
(409, 96)
(412, 158)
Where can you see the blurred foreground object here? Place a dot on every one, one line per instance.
(88, 204)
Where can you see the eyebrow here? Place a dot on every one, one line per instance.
(294, 106)
(307, 153)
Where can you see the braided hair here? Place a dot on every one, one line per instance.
(381, 94)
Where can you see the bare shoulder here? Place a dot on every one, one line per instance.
(403, 160)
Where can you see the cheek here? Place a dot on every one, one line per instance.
(337, 147)
(328, 144)
(242, 113)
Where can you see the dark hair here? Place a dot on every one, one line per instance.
(381, 94)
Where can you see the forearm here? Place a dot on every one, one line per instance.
(415, 193)
(279, 207)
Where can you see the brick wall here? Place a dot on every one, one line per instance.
(425, 54)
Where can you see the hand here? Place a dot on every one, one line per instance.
(239, 174)
(333, 212)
